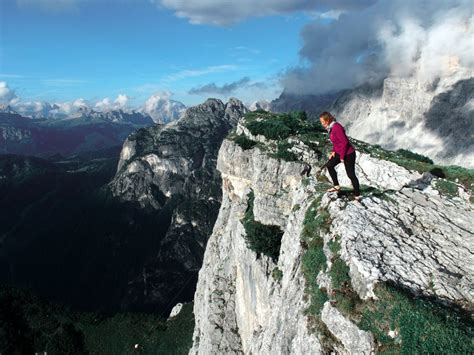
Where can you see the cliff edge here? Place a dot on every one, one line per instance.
(290, 268)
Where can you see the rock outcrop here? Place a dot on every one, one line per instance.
(406, 232)
(170, 170)
(433, 119)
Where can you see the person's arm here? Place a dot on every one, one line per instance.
(342, 140)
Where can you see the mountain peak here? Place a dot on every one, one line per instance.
(5, 108)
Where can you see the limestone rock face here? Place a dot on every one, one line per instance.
(355, 341)
(239, 307)
(163, 161)
(170, 170)
(435, 119)
(416, 238)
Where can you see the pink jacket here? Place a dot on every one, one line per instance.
(340, 142)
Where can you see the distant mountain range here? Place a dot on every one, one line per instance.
(84, 131)
(109, 230)
(160, 108)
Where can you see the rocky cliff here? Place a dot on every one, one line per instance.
(391, 273)
(170, 170)
(431, 118)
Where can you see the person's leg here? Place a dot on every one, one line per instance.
(331, 164)
(349, 164)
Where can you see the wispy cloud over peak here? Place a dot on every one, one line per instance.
(227, 89)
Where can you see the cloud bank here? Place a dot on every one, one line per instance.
(427, 39)
(225, 89)
(158, 106)
(7, 95)
(120, 103)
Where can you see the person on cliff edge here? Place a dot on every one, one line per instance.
(342, 151)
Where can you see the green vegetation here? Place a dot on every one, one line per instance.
(30, 324)
(417, 162)
(244, 142)
(345, 298)
(314, 260)
(277, 274)
(447, 188)
(261, 238)
(413, 156)
(284, 153)
(271, 129)
(423, 326)
(279, 126)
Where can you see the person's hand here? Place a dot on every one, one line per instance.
(332, 155)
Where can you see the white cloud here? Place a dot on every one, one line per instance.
(108, 105)
(37, 109)
(225, 89)
(399, 37)
(7, 95)
(430, 52)
(225, 12)
(122, 100)
(162, 109)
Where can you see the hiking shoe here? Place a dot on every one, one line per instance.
(334, 189)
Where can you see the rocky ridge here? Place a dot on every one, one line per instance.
(409, 232)
(433, 118)
(170, 170)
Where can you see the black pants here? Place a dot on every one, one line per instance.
(349, 164)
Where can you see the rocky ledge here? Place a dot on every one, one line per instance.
(393, 272)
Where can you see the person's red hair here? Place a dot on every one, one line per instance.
(327, 117)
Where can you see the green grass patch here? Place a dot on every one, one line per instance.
(314, 260)
(417, 162)
(334, 246)
(283, 152)
(413, 156)
(424, 327)
(277, 274)
(447, 188)
(275, 126)
(261, 238)
(244, 143)
(344, 296)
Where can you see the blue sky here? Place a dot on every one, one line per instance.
(97, 49)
